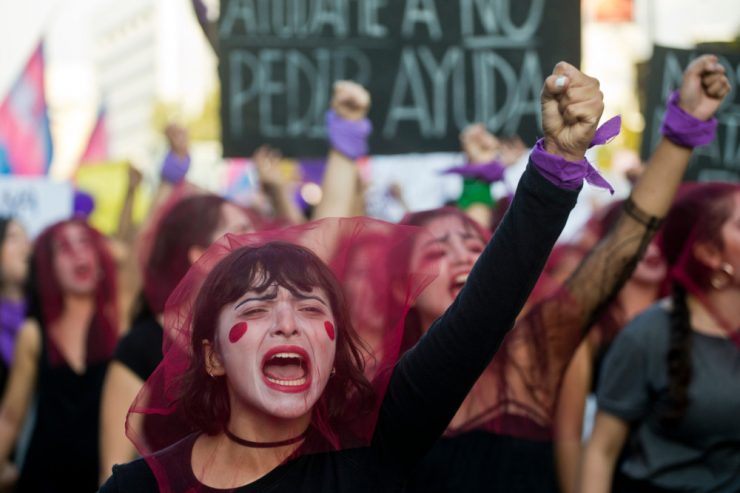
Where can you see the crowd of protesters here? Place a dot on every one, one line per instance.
(449, 352)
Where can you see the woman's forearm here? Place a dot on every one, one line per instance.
(339, 187)
(597, 472)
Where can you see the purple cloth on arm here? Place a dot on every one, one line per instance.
(489, 173)
(570, 174)
(12, 315)
(347, 136)
(83, 204)
(175, 168)
(683, 129)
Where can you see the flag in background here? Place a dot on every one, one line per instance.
(25, 137)
(97, 145)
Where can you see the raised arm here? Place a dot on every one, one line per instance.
(266, 161)
(126, 230)
(175, 165)
(348, 130)
(480, 148)
(605, 270)
(595, 284)
(432, 379)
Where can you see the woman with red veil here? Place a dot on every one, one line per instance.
(267, 369)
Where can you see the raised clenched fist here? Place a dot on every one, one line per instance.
(572, 105)
(266, 160)
(350, 101)
(479, 145)
(703, 87)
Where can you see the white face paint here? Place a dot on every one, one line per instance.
(277, 348)
(454, 248)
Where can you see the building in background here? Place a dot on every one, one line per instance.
(153, 65)
(125, 62)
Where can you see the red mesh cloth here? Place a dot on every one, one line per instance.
(369, 260)
(697, 217)
(49, 297)
(518, 392)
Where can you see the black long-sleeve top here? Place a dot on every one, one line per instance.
(431, 380)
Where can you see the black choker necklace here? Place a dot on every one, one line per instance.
(249, 443)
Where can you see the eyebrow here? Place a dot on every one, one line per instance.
(273, 295)
(441, 239)
(469, 234)
(303, 296)
(465, 235)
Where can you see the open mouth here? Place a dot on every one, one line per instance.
(287, 369)
(83, 272)
(457, 284)
(653, 261)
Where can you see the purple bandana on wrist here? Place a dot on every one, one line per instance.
(347, 136)
(489, 172)
(570, 174)
(12, 315)
(83, 204)
(683, 129)
(175, 168)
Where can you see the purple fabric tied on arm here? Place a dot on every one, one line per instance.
(683, 129)
(12, 315)
(570, 174)
(175, 168)
(347, 136)
(83, 204)
(201, 11)
(489, 172)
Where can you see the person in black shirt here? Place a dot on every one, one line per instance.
(187, 226)
(61, 355)
(272, 421)
(503, 432)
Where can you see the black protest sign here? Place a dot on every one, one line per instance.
(432, 68)
(719, 160)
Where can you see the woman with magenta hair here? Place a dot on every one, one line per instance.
(670, 389)
(187, 227)
(61, 355)
(269, 371)
(503, 432)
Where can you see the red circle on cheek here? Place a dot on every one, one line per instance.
(329, 330)
(237, 331)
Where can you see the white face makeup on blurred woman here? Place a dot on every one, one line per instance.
(454, 248)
